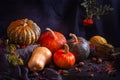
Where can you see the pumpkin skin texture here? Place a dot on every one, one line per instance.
(79, 47)
(40, 57)
(63, 58)
(23, 32)
(53, 40)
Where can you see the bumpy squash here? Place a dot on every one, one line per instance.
(23, 32)
(40, 57)
(79, 47)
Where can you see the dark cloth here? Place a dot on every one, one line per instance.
(11, 72)
(65, 16)
(8, 71)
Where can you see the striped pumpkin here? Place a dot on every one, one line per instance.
(23, 32)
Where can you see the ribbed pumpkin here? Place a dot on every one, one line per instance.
(79, 47)
(23, 32)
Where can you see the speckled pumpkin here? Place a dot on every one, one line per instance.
(23, 32)
(79, 47)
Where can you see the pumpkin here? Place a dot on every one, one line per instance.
(40, 57)
(23, 32)
(53, 40)
(79, 47)
(63, 58)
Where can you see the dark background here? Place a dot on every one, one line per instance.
(62, 15)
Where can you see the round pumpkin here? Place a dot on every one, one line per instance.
(23, 32)
(53, 40)
(79, 47)
(63, 58)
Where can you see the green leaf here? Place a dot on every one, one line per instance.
(15, 59)
(20, 61)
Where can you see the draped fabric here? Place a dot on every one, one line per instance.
(65, 16)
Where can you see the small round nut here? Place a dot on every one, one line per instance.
(81, 64)
(99, 60)
(93, 59)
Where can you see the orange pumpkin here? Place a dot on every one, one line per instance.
(23, 32)
(63, 58)
(53, 40)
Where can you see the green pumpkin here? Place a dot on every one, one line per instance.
(79, 47)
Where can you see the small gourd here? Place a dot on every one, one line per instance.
(40, 57)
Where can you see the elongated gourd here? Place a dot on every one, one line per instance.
(39, 58)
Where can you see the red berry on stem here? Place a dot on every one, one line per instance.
(87, 22)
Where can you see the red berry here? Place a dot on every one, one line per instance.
(87, 22)
(22, 46)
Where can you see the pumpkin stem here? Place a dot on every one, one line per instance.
(66, 47)
(25, 22)
(74, 37)
(52, 32)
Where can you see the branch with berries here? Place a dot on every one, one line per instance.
(94, 9)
